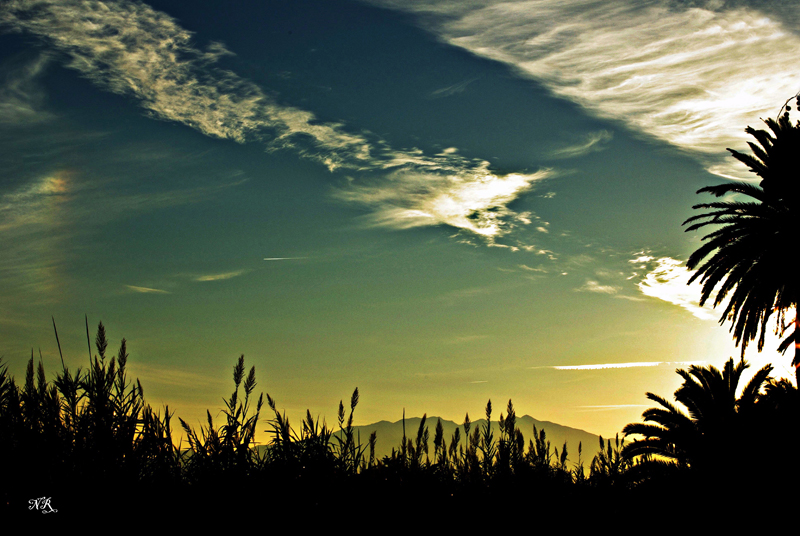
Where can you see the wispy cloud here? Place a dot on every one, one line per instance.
(604, 366)
(464, 293)
(133, 50)
(21, 97)
(33, 217)
(459, 87)
(220, 277)
(175, 377)
(594, 286)
(146, 290)
(472, 199)
(693, 75)
(464, 339)
(591, 142)
(668, 279)
(612, 407)
(40, 216)
(34, 203)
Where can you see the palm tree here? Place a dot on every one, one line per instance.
(671, 438)
(710, 434)
(749, 252)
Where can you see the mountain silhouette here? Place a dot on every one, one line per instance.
(390, 434)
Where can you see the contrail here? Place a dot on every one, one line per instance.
(625, 365)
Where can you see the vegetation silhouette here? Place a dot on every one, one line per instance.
(90, 429)
(93, 430)
(748, 251)
(706, 439)
(736, 443)
(225, 453)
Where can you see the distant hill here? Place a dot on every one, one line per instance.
(389, 435)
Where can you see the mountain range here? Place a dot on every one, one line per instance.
(390, 434)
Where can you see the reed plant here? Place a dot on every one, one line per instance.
(89, 429)
(348, 449)
(609, 465)
(93, 427)
(511, 446)
(227, 452)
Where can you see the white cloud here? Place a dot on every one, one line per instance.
(691, 76)
(668, 280)
(133, 50)
(470, 199)
(524, 217)
(175, 377)
(37, 218)
(642, 258)
(34, 203)
(539, 251)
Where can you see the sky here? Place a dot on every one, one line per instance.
(439, 202)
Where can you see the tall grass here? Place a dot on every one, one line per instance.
(92, 428)
(227, 451)
(97, 427)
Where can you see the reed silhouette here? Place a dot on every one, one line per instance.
(92, 430)
(217, 456)
(90, 439)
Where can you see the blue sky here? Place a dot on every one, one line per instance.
(437, 202)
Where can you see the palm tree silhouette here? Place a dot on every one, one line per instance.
(749, 251)
(706, 437)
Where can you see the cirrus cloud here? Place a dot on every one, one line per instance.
(131, 49)
(693, 75)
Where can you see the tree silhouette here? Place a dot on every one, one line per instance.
(709, 436)
(749, 252)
